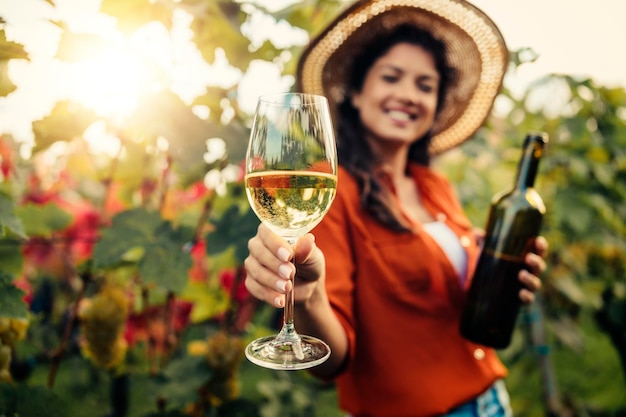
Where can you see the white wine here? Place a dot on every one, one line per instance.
(291, 203)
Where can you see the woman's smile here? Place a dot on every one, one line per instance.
(401, 115)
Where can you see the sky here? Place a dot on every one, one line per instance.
(575, 37)
(578, 37)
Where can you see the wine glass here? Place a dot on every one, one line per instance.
(291, 181)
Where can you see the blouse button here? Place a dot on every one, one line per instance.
(479, 354)
(465, 241)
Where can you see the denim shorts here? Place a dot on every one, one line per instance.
(492, 403)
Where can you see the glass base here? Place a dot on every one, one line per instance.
(271, 353)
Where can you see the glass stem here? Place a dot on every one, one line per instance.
(288, 331)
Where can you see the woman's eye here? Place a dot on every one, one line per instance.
(427, 88)
(390, 78)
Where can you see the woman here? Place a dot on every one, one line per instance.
(383, 278)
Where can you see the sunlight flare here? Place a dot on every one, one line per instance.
(112, 82)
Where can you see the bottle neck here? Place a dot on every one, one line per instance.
(529, 163)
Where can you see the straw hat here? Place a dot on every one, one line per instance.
(476, 51)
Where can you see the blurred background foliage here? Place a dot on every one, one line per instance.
(121, 271)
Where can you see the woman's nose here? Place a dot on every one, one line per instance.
(409, 93)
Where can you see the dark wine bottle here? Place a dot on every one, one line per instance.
(515, 217)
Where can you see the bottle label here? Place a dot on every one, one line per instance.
(513, 248)
(501, 255)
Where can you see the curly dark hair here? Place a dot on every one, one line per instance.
(354, 152)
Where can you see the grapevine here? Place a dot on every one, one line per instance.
(12, 330)
(103, 318)
(224, 354)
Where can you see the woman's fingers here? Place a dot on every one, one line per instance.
(265, 284)
(541, 246)
(526, 296)
(479, 235)
(268, 270)
(530, 281)
(271, 254)
(531, 284)
(536, 264)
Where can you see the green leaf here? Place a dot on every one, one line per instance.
(185, 367)
(132, 14)
(129, 230)
(6, 85)
(165, 262)
(8, 219)
(213, 29)
(65, 122)
(234, 228)
(182, 378)
(165, 114)
(11, 303)
(26, 401)
(43, 220)
(212, 99)
(169, 413)
(11, 258)
(208, 301)
(10, 50)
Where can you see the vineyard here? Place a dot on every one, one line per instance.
(125, 227)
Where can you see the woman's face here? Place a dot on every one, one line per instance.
(398, 101)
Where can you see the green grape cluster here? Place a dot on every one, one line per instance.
(11, 331)
(224, 354)
(103, 318)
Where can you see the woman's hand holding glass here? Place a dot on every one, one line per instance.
(270, 269)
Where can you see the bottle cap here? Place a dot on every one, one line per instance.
(537, 137)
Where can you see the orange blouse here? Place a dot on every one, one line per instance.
(399, 300)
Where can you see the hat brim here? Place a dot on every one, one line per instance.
(475, 49)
